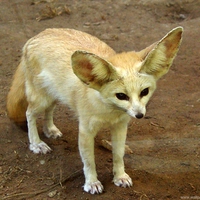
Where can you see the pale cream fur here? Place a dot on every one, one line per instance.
(102, 87)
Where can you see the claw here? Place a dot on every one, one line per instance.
(42, 147)
(93, 188)
(123, 181)
(53, 132)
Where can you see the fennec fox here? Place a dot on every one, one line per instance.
(102, 87)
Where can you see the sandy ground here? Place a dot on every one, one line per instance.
(165, 163)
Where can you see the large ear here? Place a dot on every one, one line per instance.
(92, 70)
(159, 57)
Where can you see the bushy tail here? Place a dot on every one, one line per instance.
(16, 99)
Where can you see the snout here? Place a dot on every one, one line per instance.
(136, 114)
(137, 110)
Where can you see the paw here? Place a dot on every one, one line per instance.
(53, 132)
(123, 181)
(40, 148)
(93, 188)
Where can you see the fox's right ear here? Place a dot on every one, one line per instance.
(158, 57)
(91, 69)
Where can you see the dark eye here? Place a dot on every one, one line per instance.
(144, 92)
(122, 96)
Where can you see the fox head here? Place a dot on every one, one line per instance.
(127, 80)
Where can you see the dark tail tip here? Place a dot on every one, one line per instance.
(21, 124)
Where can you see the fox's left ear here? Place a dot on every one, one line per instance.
(159, 57)
(92, 69)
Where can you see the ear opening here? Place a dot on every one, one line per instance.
(160, 58)
(144, 53)
(91, 69)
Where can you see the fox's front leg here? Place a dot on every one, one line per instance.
(86, 148)
(121, 178)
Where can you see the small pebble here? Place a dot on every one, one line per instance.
(52, 193)
(42, 162)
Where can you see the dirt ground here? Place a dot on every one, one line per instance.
(165, 163)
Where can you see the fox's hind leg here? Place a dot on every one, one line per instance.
(49, 129)
(38, 101)
(36, 144)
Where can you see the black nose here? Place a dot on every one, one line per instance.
(139, 116)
